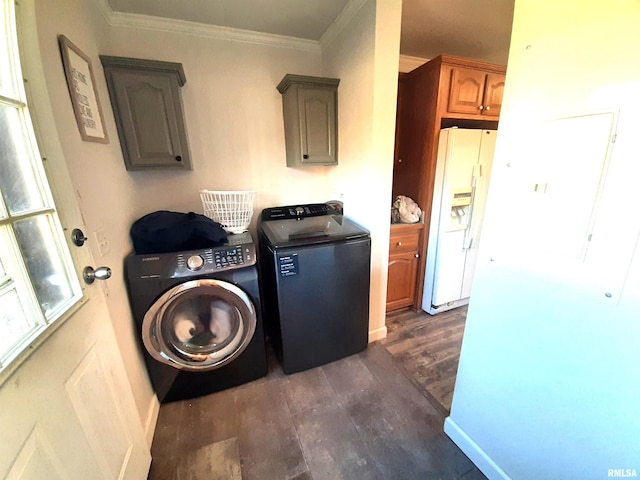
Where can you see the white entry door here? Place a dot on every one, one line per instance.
(68, 412)
(66, 407)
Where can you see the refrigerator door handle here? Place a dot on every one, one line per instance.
(466, 244)
(471, 232)
(472, 228)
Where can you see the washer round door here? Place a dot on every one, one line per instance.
(199, 325)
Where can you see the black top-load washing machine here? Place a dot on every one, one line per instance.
(198, 314)
(314, 267)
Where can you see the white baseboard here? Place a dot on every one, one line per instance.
(473, 451)
(152, 419)
(378, 334)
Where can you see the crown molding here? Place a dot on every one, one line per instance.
(408, 63)
(341, 21)
(131, 20)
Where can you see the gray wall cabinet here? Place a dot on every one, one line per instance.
(147, 105)
(310, 109)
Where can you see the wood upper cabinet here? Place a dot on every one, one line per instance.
(310, 110)
(403, 266)
(147, 106)
(493, 91)
(475, 92)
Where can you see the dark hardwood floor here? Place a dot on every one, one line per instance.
(427, 348)
(356, 418)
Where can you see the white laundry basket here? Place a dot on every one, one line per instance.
(231, 209)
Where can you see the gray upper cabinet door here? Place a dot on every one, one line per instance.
(147, 105)
(310, 109)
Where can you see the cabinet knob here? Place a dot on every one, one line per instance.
(178, 158)
(305, 156)
(399, 244)
(487, 108)
(417, 255)
(480, 107)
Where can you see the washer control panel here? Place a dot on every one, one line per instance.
(214, 259)
(239, 252)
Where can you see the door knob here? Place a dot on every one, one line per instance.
(100, 273)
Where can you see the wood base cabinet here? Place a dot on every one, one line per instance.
(404, 259)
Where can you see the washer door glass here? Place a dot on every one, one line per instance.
(199, 325)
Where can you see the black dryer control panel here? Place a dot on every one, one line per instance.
(292, 212)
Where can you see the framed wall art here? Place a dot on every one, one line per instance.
(84, 95)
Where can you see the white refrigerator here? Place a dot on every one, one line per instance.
(461, 182)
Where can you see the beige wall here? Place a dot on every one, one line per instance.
(105, 195)
(236, 136)
(365, 58)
